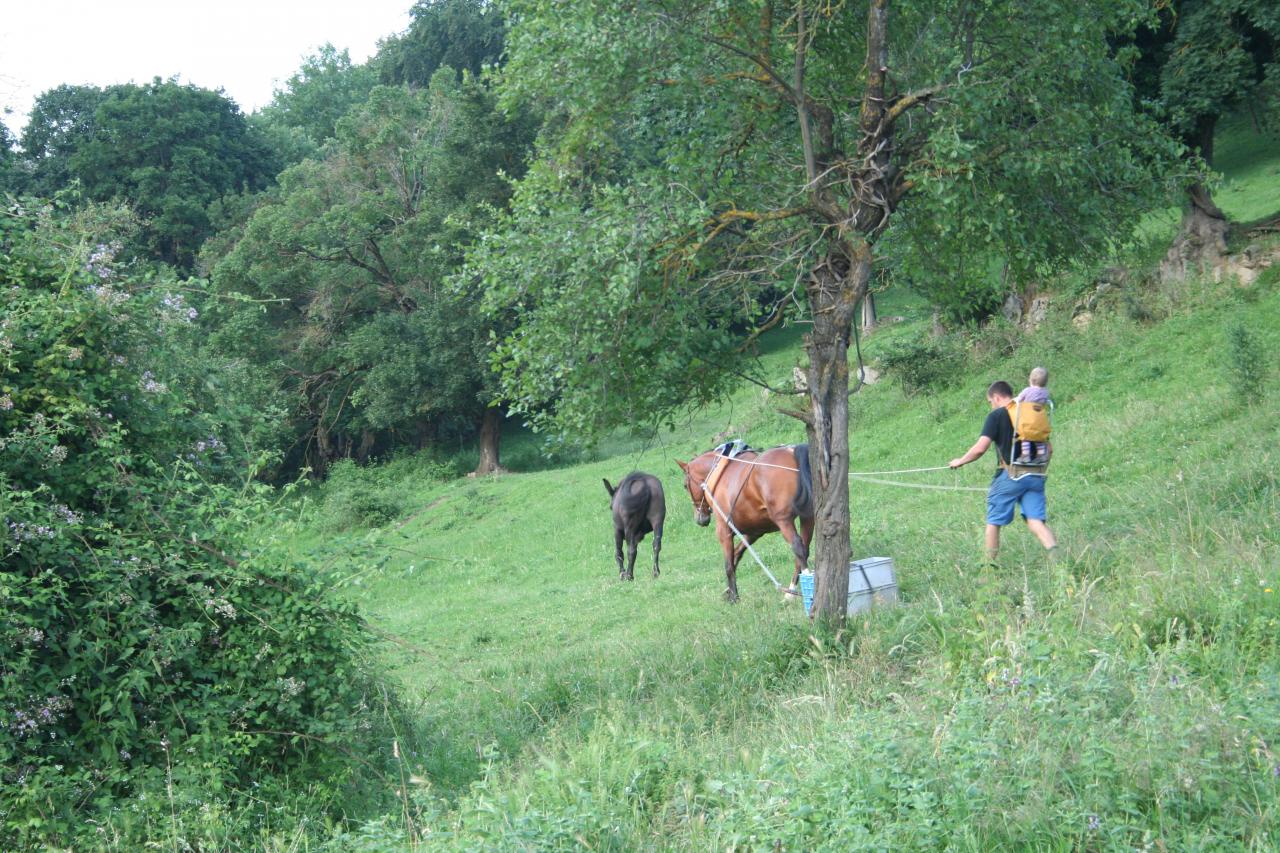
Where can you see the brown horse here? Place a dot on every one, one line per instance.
(760, 492)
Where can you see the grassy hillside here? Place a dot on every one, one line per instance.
(1125, 696)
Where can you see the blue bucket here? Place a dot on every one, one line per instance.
(806, 590)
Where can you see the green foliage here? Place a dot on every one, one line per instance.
(151, 647)
(8, 162)
(311, 102)
(61, 121)
(186, 148)
(343, 275)
(599, 342)
(925, 366)
(1246, 362)
(668, 164)
(1205, 58)
(358, 496)
(464, 35)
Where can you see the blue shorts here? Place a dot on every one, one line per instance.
(1004, 494)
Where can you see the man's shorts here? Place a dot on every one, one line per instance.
(1004, 494)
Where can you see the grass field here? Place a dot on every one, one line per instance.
(1125, 696)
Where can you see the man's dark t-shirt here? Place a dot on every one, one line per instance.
(999, 428)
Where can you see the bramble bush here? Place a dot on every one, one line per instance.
(150, 650)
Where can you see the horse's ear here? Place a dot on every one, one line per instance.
(608, 488)
(684, 466)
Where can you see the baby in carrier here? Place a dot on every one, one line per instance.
(1027, 451)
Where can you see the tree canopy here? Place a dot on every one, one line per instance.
(352, 257)
(465, 35)
(706, 154)
(167, 149)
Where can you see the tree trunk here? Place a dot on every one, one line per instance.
(490, 434)
(834, 290)
(1201, 243)
(868, 311)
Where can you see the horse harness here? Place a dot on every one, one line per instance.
(728, 452)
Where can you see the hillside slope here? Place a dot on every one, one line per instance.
(1125, 696)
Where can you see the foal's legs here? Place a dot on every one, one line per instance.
(633, 543)
(657, 547)
(617, 547)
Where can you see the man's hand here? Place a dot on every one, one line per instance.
(956, 463)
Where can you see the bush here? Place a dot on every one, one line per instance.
(925, 366)
(146, 647)
(1246, 362)
(374, 495)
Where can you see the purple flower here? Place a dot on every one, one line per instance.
(1095, 823)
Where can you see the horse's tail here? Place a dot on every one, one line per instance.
(803, 501)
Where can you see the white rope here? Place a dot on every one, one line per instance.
(738, 532)
(864, 476)
(753, 462)
(900, 471)
(864, 479)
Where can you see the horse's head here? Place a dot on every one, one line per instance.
(696, 472)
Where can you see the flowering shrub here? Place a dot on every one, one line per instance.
(144, 643)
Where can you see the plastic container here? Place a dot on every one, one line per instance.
(871, 580)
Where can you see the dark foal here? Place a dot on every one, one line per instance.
(639, 507)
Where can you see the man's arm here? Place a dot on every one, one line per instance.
(979, 447)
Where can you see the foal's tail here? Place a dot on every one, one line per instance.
(803, 501)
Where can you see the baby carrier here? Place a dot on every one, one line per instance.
(1031, 427)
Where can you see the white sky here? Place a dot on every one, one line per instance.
(246, 48)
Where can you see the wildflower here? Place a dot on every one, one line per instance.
(150, 385)
(74, 354)
(58, 454)
(6, 403)
(290, 687)
(1095, 823)
(67, 514)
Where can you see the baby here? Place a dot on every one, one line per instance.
(1036, 392)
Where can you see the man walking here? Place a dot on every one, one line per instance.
(1004, 493)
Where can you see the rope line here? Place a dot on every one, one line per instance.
(865, 479)
(864, 476)
(900, 471)
(753, 462)
(738, 532)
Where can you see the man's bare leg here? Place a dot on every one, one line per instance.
(993, 541)
(1042, 532)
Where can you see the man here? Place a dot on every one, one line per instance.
(1005, 494)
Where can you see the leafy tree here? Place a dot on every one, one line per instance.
(8, 161)
(465, 35)
(151, 650)
(1201, 60)
(61, 120)
(167, 149)
(310, 103)
(352, 257)
(699, 154)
